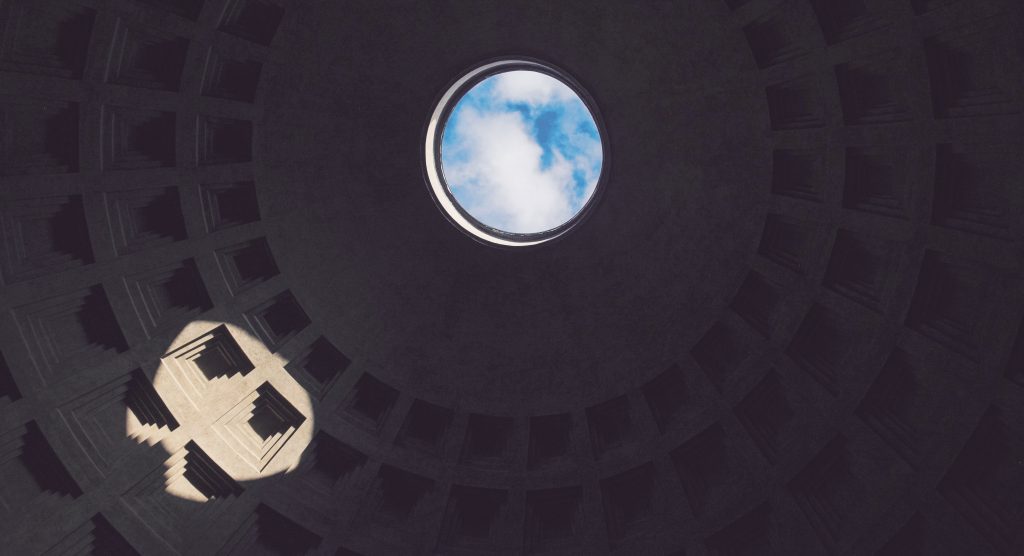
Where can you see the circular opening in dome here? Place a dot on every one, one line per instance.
(515, 152)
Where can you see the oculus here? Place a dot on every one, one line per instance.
(515, 153)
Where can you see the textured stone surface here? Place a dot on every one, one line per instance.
(232, 319)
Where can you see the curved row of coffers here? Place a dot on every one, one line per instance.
(876, 303)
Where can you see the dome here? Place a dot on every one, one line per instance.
(236, 321)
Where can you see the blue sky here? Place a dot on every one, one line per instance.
(521, 152)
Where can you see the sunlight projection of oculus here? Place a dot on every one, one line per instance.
(515, 154)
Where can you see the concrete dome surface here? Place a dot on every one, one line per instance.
(234, 321)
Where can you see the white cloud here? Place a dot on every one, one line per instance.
(588, 160)
(496, 167)
(531, 87)
(498, 177)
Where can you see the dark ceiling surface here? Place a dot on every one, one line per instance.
(793, 324)
(554, 328)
